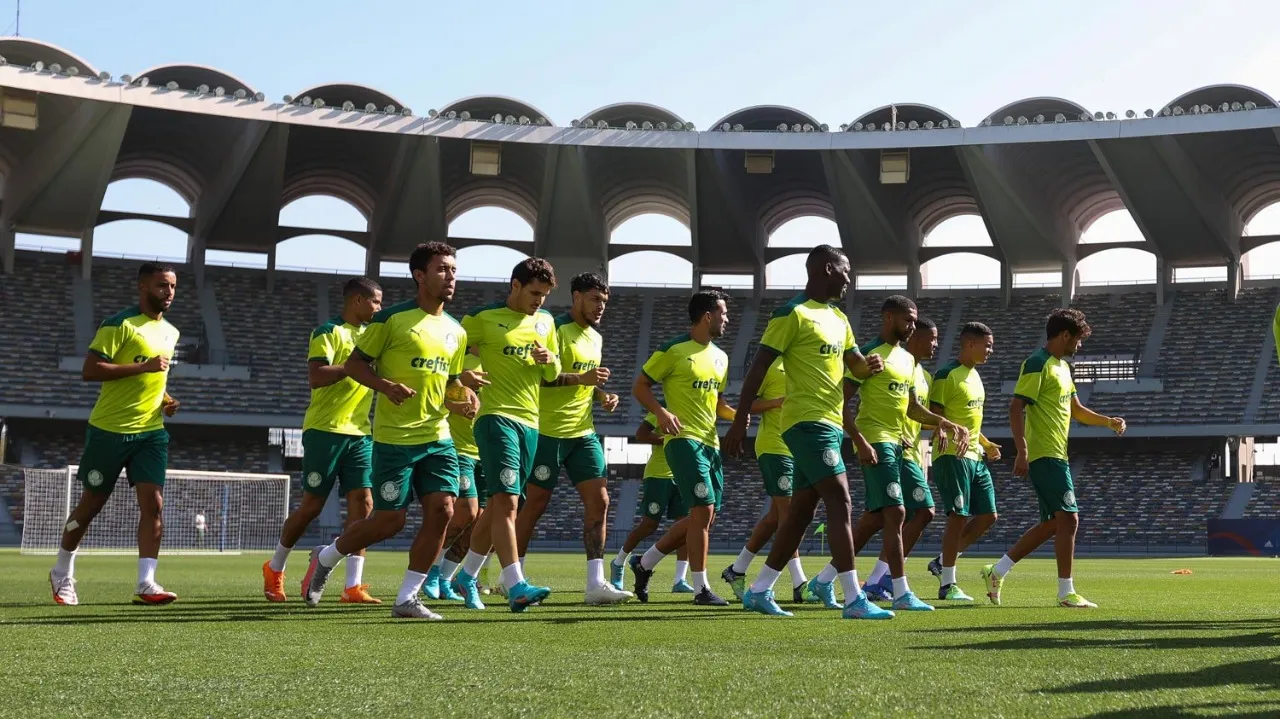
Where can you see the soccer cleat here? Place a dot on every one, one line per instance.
(683, 587)
(1076, 601)
(802, 594)
(993, 581)
(615, 574)
(64, 590)
(707, 598)
(825, 592)
(935, 567)
(465, 584)
(909, 602)
(763, 603)
(358, 594)
(414, 609)
(499, 590)
(314, 580)
(737, 582)
(877, 592)
(272, 583)
(152, 593)
(642, 579)
(954, 593)
(862, 608)
(524, 594)
(431, 587)
(447, 591)
(606, 594)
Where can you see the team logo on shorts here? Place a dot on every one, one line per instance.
(507, 476)
(700, 490)
(542, 328)
(542, 473)
(784, 483)
(959, 501)
(918, 494)
(655, 508)
(894, 490)
(314, 479)
(830, 457)
(464, 483)
(451, 342)
(390, 491)
(95, 478)
(1069, 498)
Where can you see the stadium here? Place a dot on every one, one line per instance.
(1188, 359)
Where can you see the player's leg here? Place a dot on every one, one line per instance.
(642, 567)
(146, 467)
(465, 511)
(538, 489)
(356, 484)
(955, 484)
(584, 462)
(884, 496)
(101, 462)
(694, 466)
(435, 482)
(321, 464)
(653, 502)
(774, 469)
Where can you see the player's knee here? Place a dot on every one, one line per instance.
(464, 513)
(1068, 521)
(990, 519)
(924, 515)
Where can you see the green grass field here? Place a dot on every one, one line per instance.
(1160, 646)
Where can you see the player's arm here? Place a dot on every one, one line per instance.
(989, 448)
(760, 406)
(645, 434)
(948, 431)
(1086, 416)
(592, 378)
(849, 418)
(862, 367)
(98, 369)
(642, 390)
(461, 399)
(724, 411)
(359, 367)
(321, 374)
(1017, 427)
(764, 359)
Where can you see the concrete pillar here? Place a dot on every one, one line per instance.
(271, 269)
(86, 254)
(1006, 283)
(372, 264)
(1069, 278)
(8, 245)
(1164, 281)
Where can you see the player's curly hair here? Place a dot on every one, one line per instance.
(587, 281)
(897, 303)
(146, 269)
(422, 254)
(534, 268)
(1067, 320)
(704, 301)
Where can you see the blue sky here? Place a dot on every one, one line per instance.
(834, 60)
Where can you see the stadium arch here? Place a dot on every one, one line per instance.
(1117, 266)
(789, 241)
(189, 77)
(488, 263)
(643, 248)
(335, 94)
(642, 268)
(26, 51)
(906, 112)
(960, 270)
(484, 107)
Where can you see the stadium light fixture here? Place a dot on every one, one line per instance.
(913, 125)
(1205, 109)
(288, 99)
(318, 103)
(433, 113)
(782, 127)
(844, 127)
(1038, 119)
(1166, 111)
(631, 125)
(525, 121)
(823, 127)
(1059, 117)
(857, 127)
(1110, 116)
(219, 91)
(143, 82)
(464, 115)
(928, 124)
(541, 121)
(807, 127)
(3, 60)
(900, 126)
(1236, 106)
(348, 106)
(1008, 119)
(406, 112)
(241, 93)
(1149, 112)
(689, 126)
(1130, 114)
(1099, 115)
(662, 125)
(55, 68)
(797, 127)
(602, 125)
(259, 96)
(1177, 110)
(497, 119)
(104, 76)
(171, 85)
(646, 125)
(389, 109)
(738, 127)
(944, 124)
(886, 127)
(73, 71)
(1225, 107)
(1251, 105)
(726, 127)
(370, 107)
(1195, 109)
(450, 115)
(1022, 119)
(202, 89)
(509, 119)
(38, 66)
(126, 79)
(574, 122)
(305, 101)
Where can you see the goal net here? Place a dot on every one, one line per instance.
(204, 512)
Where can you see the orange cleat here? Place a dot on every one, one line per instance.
(272, 583)
(358, 594)
(153, 593)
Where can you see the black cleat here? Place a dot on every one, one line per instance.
(642, 579)
(707, 598)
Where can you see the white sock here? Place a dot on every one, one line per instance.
(472, 562)
(65, 565)
(743, 562)
(512, 575)
(330, 556)
(1003, 566)
(595, 573)
(1065, 587)
(765, 580)
(449, 569)
(878, 572)
(682, 571)
(522, 564)
(827, 575)
(146, 571)
(621, 559)
(700, 581)
(797, 572)
(280, 557)
(410, 587)
(651, 557)
(355, 570)
(484, 561)
(849, 586)
(948, 575)
(900, 587)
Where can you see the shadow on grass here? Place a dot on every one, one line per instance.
(1244, 710)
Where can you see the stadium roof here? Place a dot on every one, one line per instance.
(1039, 171)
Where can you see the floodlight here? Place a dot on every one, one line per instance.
(104, 76)
(55, 68)
(913, 125)
(646, 125)
(662, 125)
(524, 120)
(241, 94)
(857, 127)
(631, 125)
(171, 85)
(348, 106)
(1022, 119)
(202, 89)
(1008, 119)
(464, 115)
(317, 103)
(126, 79)
(1251, 105)
(782, 127)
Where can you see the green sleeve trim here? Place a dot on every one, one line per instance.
(475, 311)
(386, 314)
(324, 329)
(870, 347)
(118, 318)
(325, 360)
(774, 350)
(789, 307)
(1035, 362)
(673, 342)
(103, 355)
(362, 353)
(651, 379)
(945, 370)
(563, 319)
(1024, 398)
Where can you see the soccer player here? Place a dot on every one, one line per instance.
(1044, 403)
(517, 343)
(922, 345)
(567, 434)
(411, 354)
(968, 492)
(130, 356)
(777, 469)
(693, 373)
(336, 446)
(815, 340)
(660, 497)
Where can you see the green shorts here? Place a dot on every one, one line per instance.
(881, 482)
(506, 448)
(582, 457)
(402, 472)
(471, 480)
(144, 456)
(965, 484)
(778, 471)
(915, 487)
(328, 457)
(662, 497)
(1055, 491)
(698, 470)
(815, 451)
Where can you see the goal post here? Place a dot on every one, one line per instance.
(204, 512)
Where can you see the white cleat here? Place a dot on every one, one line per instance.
(607, 594)
(64, 590)
(414, 609)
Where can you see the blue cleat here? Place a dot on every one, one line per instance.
(524, 594)
(763, 603)
(825, 592)
(465, 584)
(682, 587)
(447, 592)
(431, 587)
(878, 592)
(910, 603)
(615, 575)
(862, 608)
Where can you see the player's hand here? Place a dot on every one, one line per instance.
(466, 398)
(1020, 465)
(1117, 425)
(733, 439)
(462, 409)
(866, 453)
(474, 378)
(540, 354)
(159, 363)
(594, 377)
(397, 393)
(610, 402)
(993, 451)
(170, 406)
(955, 435)
(668, 423)
(875, 363)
